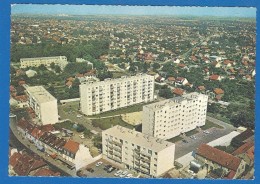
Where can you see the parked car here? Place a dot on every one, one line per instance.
(79, 116)
(99, 164)
(206, 132)
(123, 174)
(82, 136)
(193, 137)
(90, 170)
(107, 167)
(129, 176)
(111, 169)
(119, 172)
(185, 141)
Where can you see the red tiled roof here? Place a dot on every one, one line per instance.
(214, 77)
(218, 91)
(251, 153)
(46, 172)
(71, 146)
(231, 175)
(243, 148)
(21, 98)
(14, 158)
(201, 88)
(171, 79)
(181, 65)
(178, 91)
(47, 128)
(218, 156)
(218, 97)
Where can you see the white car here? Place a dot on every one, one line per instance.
(99, 163)
(123, 174)
(119, 172)
(82, 136)
(206, 132)
(79, 116)
(191, 172)
(129, 176)
(193, 137)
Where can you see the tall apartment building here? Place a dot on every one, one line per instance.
(43, 104)
(143, 153)
(169, 118)
(110, 94)
(46, 61)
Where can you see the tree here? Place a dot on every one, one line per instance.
(42, 67)
(165, 93)
(156, 66)
(57, 69)
(97, 140)
(52, 65)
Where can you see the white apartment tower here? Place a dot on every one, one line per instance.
(111, 94)
(43, 104)
(46, 61)
(169, 118)
(143, 153)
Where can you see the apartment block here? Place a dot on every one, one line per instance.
(171, 117)
(111, 94)
(143, 153)
(43, 104)
(46, 61)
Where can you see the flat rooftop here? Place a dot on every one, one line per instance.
(43, 58)
(138, 138)
(113, 81)
(40, 94)
(174, 101)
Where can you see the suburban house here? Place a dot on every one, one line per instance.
(178, 91)
(246, 152)
(181, 81)
(215, 77)
(220, 163)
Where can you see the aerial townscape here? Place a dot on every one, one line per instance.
(132, 96)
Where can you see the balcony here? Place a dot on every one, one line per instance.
(146, 166)
(117, 149)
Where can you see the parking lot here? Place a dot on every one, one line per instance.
(94, 171)
(182, 148)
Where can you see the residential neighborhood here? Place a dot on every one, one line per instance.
(140, 96)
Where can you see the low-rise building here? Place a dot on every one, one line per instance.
(138, 151)
(43, 103)
(219, 162)
(61, 61)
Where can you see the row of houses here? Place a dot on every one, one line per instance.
(228, 165)
(69, 151)
(23, 164)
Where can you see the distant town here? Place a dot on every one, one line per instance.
(121, 96)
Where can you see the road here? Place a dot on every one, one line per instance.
(182, 148)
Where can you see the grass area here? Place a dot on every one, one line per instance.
(210, 124)
(119, 74)
(66, 124)
(106, 123)
(129, 109)
(192, 132)
(70, 106)
(175, 139)
(219, 117)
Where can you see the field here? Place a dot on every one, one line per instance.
(106, 123)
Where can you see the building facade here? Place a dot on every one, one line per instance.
(61, 61)
(111, 94)
(143, 153)
(169, 118)
(43, 103)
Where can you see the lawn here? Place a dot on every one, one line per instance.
(219, 117)
(66, 124)
(192, 132)
(119, 74)
(106, 123)
(175, 139)
(210, 124)
(133, 108)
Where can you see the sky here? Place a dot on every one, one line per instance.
(132, 10)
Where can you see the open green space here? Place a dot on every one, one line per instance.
(219, 117)
(129, 109)
(210, 124)
(192, 132)
(106, 123)
(175, 139)
(66, 124)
